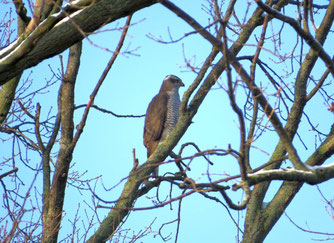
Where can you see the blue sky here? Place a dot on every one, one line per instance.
(105, 149)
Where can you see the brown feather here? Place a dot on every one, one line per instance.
(154, 121)
(162, 115)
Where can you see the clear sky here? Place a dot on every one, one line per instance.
(105, 149)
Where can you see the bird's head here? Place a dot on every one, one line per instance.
(171, 82)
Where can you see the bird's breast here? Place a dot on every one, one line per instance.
(172, 113)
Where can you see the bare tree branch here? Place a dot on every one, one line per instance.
(28, 52)
(314, 43)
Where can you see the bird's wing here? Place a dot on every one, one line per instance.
(154, 122)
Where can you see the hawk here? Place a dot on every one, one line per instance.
(162, 114)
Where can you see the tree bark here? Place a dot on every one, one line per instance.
(54, 198)
(7, 95)
(259, 221)
(58, 32)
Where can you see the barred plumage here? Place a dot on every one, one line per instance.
(162, 114)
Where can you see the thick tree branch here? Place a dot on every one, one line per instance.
(314, 176)
(58, 32)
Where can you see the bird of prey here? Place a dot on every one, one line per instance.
(162, 114)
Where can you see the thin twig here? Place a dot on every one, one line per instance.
(99, 83)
